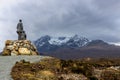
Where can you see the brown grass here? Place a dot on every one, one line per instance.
(56, 69)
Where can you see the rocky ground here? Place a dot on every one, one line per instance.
(7, 62)
(57, 69)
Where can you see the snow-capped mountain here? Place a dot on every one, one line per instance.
(77, 41)
(49, 43)
(75, 47)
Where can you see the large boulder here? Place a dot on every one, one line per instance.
(19, 47)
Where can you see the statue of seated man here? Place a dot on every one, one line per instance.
(20, 31)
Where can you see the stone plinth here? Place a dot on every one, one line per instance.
(19, 47)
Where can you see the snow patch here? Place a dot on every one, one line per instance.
(58, 40)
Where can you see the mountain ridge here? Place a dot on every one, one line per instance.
(47, 43)
(75, 47)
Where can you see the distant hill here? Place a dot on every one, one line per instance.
(75, 47)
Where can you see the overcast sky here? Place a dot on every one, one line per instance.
(94, 19)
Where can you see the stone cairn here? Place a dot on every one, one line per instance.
(20, 46)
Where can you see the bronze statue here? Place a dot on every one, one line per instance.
(20, 31)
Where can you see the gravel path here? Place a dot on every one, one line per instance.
(7, 62)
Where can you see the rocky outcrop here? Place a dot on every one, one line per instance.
(19, 47)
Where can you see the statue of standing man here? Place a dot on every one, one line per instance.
(20, 31)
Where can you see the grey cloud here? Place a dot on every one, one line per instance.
(90, 18)
(69, 16)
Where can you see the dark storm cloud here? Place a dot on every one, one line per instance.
(95, 19)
